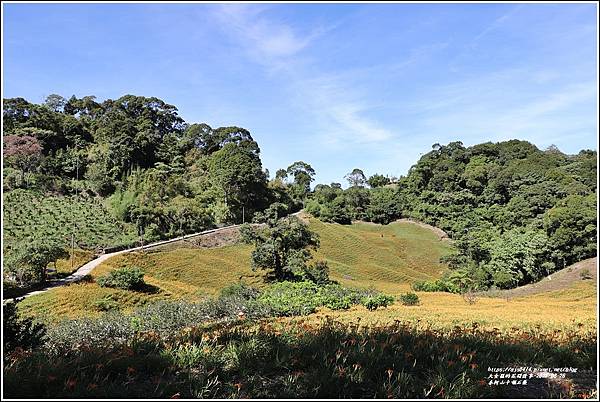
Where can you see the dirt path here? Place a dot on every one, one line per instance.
(557, 281)
(228, 232)
(88, 267)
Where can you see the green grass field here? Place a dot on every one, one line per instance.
(27, 215)
(387, 258)
(440, 347)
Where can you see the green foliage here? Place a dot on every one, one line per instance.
(237, 172)
(106, 303)
(19, 332)
(240, 290)
(380, 300)
(266, 361)
(32, 215)
(516, 213)
(378, 180)
(302, 174)
(291, 298)
(282, 247)
(302, 298)
(438, 285)
(26, 262)
(409, 299)
(127, 278)
(317, 273)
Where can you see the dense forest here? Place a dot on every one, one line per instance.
(516, 212)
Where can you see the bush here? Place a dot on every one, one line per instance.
(337, 297)
(585, 274)
(19, 333)
(301, 298)
(106, 303)
(291, 298)
(380, 300)
(317, 273)
(438, 285)
(240, 290)
(409, 299)
(128, 278)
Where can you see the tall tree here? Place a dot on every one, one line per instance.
(303, 174)
(23, 152)
(282, 247)
(356, 178)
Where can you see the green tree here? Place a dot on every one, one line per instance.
(571, 227)
(236, 170)
(28, 261)
(303, 174)
(378, 180)
(282, 247)
(383, 205)
(356, 178)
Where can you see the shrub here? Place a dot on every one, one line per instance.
(470, 297)
(291, 298)
(106, 303)
(301, 298)
(409, 299)
(317, 273)
(240, 290)
(336, 297)
(22, 333)
(438, 285)
(585, 274)
(128, 278)
(374, 302)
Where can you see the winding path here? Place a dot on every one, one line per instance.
(89, 266)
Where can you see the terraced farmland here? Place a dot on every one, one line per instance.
(388, 258)
(28, 215)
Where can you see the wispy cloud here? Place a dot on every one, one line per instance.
(340, 109)
(496, 24)
(495, 107)
(266, 41)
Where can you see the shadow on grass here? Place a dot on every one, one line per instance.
(301, 360)
(148, 289)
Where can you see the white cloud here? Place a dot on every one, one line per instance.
(499, 107)
(340, 110)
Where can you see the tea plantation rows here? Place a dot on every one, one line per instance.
(30, 215)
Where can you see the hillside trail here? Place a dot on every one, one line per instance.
(85, 269)
(558, 280)
(88, 267)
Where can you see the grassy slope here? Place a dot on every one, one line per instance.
(388, 258)
(358, 256)
(566, 309)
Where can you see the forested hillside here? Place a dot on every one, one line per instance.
(517, 213)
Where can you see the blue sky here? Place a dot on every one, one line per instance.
(339, 86)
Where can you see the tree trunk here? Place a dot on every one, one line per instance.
(278, 273)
